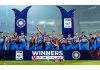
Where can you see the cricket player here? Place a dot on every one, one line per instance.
(76, 41)
(14, 41)
(69, 44)
(47, 43)
(43, 34)
(56, 44)
(2, 39)
(39, 42)
(62, 42)
(32, 42)
(97, 40)
(7, 45)
(91, 40)
(83, 42)
(23, 41)
(53, 37)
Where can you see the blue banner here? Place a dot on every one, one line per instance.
(67, 21)
(21, 20)
(64, 55)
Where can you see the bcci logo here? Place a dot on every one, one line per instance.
(20, 23)
(76, 55)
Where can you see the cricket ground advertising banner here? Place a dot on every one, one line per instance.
(47, 54)
(51, 55)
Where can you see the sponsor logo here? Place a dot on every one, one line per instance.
(34, 57)
(67, 23)
(76, 55)
(20, 23)
(19, 55)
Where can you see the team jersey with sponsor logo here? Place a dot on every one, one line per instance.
(98, 39)
(22, 38)
(69, 40)
(2, 39)
(39, 40)
(47, 42)
(32, 39)
(53, 37)
(14, 39)
(91, 40)
(76, 38)
(83, 39)
(62, 40)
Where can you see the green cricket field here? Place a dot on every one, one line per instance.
(65, 62)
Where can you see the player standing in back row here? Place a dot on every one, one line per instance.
(97, 40)
(83, 42)
(23, 41)
(76, 41)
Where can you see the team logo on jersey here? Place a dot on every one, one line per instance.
(20, 23)
(76, 55)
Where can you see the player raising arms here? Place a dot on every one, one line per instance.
(91, 40)
(23, 41)
(14, 42)
(97, 40)
(70, 42)
(76, 41)
(2, 39)
(43, 35)
(32, 42)
(63, 43)
(83, 42)
(7, 42)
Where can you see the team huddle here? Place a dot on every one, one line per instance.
(42, 41)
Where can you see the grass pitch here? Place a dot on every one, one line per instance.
(67, 62)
